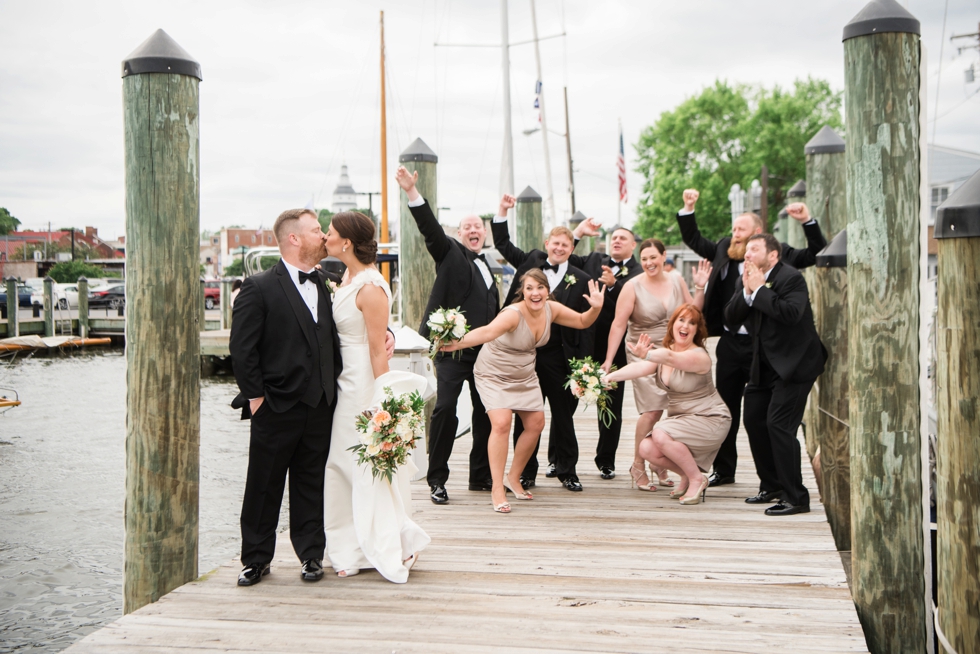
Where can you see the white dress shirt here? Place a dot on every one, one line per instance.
(750, 297)
(555, 277)
(307, 290)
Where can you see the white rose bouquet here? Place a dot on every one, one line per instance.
(588, 383)
(388, 434)
(445, 326)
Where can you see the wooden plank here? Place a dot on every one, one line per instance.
(606, 570)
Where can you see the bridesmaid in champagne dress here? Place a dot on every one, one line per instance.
(698, 419)
(644, 307)
(505, 376)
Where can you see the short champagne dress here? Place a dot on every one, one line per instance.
(504, 370)
(696, 416)
(650, 316)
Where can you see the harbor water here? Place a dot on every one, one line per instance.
(62, 491)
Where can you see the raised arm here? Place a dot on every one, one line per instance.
(690, 234)
(566, 317)
(700, 278)
(501, 234)
(695, 359)
(632, 371)
(815, 240)
(624, 308)
(590, 263)
(436, 241)
(506, 321)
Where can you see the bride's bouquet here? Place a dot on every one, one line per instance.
(588, 383)
(445, 326)
(388, 434)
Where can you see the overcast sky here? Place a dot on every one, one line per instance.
(290, 92)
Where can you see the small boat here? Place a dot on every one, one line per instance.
(6, 401)
(26, 343)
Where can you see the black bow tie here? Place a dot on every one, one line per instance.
(474, 256)
(310, 276)
(548, 266)
(613, 262)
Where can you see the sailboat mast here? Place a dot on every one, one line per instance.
(507, 162)
(550, 218)
(383, 232)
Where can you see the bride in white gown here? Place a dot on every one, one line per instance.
(368, 521)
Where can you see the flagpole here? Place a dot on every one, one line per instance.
(383, 235)
(619, 192)
(550, 220)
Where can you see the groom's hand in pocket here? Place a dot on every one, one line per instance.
(253, 405)
(389, 343)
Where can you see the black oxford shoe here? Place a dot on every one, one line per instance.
(312, 570)
(527, 482)
(438, 494)
(484, 486)
(252, 574)
(714, 479)
(785, 508)
(550, 471)
(607, 473)
(764, 497)
(572, 485)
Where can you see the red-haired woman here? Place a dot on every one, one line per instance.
(698, 420)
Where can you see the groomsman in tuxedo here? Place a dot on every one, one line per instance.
(613, 270)
(734, 350)
(787, 357)
(569, 285)
(463, 280)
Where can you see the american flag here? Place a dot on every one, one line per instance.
(621, 167)
(537, 98)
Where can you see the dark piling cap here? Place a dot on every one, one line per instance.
(418, 151)
(783, 215)
(798, 190)
(578, 218)
(835, 254)
(959, 215)
(529, 195)
(160, 54)
(881, 16)
(49, 278)
(826, 141)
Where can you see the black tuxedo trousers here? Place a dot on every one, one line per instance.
(451, 372)
(734, 355)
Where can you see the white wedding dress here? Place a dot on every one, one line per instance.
(368, 521)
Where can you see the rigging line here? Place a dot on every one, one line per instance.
(486, 141)
(951, 110)
(939, 77)
(418, 67)
(341, 139)
(396, 100)
(530, 153)
(441, 127)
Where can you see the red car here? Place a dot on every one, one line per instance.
(212, 294)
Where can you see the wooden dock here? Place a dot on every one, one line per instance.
(606, 570)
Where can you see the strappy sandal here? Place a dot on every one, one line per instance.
(636, 474)
(503, 507)
(523, 495)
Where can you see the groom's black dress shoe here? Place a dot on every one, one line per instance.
(607, 473)
(438, 494)
(550, 471)
(785, 508)
(714, 479)
(252, 574)
(572, 484)
(312, 570)
(527, 482)
(764, 497)
(485, 485)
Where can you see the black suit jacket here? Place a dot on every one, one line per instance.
(592, 265)
(273, 337)
(577, 343)
(717, 254)
(456, 274)
(781, 324)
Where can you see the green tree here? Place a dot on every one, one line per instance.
(722, 137)
(68, 272)
(235, 268)
(7, 222)
(324, 217)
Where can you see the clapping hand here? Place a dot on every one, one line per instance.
(588, 227)
(506, 203)
(798, 212)
(702, 274)
(752, 277)
(641, 348)
(596, 294)
(607, 277)
(690, 199)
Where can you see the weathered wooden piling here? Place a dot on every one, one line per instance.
(881, 66)
(13, 308)
(226, 302)
(200, 304)
(827, 414)
(794, 230)
(416, 270)
(530, 230)
(49, 301)
(83, 307)
(957, 233)
(163, 321)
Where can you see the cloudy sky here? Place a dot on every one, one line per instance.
(290, 92)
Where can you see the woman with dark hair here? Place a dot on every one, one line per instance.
(644, 307)
(698, 419)
(505, 376)
(368, 521)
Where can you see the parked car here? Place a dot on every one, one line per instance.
(67, 295)
(24, 293)
(112, 297)
(212, 294)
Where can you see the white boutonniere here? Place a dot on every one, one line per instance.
(768, 284)
(571, 280)
(331, 286)
(623, 271)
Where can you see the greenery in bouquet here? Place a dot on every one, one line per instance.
(388, 434)
(446, 326)
(588, 383)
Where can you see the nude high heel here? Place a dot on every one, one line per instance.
(698, 496)
(635, 475)
(522, 495)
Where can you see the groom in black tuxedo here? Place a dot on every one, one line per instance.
(771, 297)
(569, 285)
